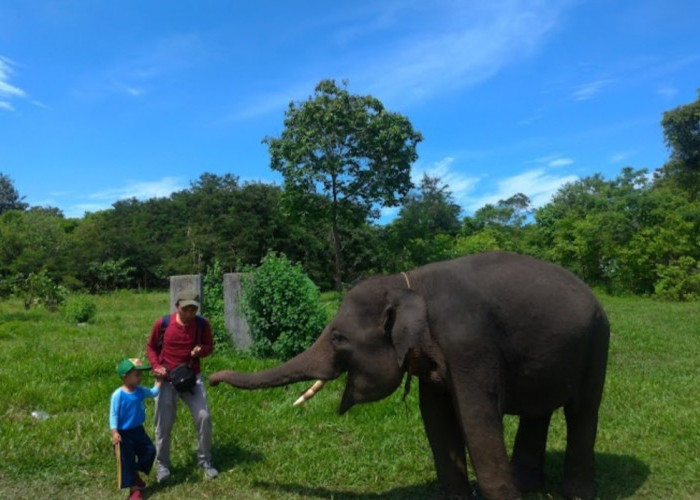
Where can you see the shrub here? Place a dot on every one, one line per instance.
(214, 304)
(679, 281)
(282, 307)
(80, 310)
(39, 289)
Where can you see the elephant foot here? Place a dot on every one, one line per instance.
(499, 494)
(460, 490)
(528, 479)
(470, 494)
(584, 490)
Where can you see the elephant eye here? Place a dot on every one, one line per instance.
(338, 338)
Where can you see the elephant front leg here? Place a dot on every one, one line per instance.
(446, 440)
(483, 427)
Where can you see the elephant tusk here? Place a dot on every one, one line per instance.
(310, 392)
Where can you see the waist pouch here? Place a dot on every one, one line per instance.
(183, 378)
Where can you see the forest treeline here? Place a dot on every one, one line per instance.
(637, 233)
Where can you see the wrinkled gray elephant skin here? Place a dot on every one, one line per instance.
(486, 335)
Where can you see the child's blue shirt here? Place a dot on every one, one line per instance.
(128, 409)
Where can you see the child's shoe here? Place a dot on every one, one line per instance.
(135, 494)
(140, 483)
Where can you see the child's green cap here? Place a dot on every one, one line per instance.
(126, 365)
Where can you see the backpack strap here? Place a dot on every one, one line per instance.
(200, 329)
(165, 320)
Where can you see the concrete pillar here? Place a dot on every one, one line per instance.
(186, 282)
(236, 324)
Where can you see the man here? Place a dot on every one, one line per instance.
(186, 338)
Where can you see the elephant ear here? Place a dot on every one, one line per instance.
(405, 321)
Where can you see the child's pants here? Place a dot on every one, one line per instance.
(137, 454)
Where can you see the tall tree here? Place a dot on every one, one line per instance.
(428, 219)
(682, 136)
(9, 196)
(348, 148)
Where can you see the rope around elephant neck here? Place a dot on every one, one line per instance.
(408, 282)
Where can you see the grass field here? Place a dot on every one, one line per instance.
(648, 442)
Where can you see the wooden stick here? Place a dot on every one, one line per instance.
(117, 450)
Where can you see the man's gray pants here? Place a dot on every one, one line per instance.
(165, 413)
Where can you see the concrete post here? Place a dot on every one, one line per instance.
(236, 323)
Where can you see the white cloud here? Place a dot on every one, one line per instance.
(7, 90)
(589, 90)
(553, 161)
(458, 184)
(146, 67)
(478, 40)
(273, 101)
(667, 91)
(536, 184)
(80, 209)
(142, 190)
(560, 162)
(475, 40)
(620, 157)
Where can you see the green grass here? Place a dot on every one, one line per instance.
(649, 433)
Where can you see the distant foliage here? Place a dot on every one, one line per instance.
(680, 280)
(80, 309)
(214, 304)
(110, 274)
(637, 233)
(39, 289)
(282, 307)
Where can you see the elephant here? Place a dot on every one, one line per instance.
(486, 335)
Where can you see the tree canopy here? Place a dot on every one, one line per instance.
(9, 196)
(349, 149)
(681, 128)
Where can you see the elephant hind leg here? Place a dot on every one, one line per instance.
(581, 427)
(529, 449)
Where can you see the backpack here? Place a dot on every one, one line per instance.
(182, 376)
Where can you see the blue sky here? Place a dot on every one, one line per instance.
(105, 100)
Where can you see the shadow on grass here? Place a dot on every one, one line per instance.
(223, 457)
(618, 476)
(424, 491)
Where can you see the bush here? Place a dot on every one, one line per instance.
(679, 281)
(282, 307)
(214, 304)
(39, 289)
(80, 310)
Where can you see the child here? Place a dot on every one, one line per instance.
(126, 416)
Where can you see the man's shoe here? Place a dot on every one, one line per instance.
(162, 473)
(209, 471)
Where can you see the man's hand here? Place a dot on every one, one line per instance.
(195, 352)
(159, 372)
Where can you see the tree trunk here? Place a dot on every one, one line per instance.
(338, 258)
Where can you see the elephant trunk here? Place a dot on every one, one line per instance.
(314, 363)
